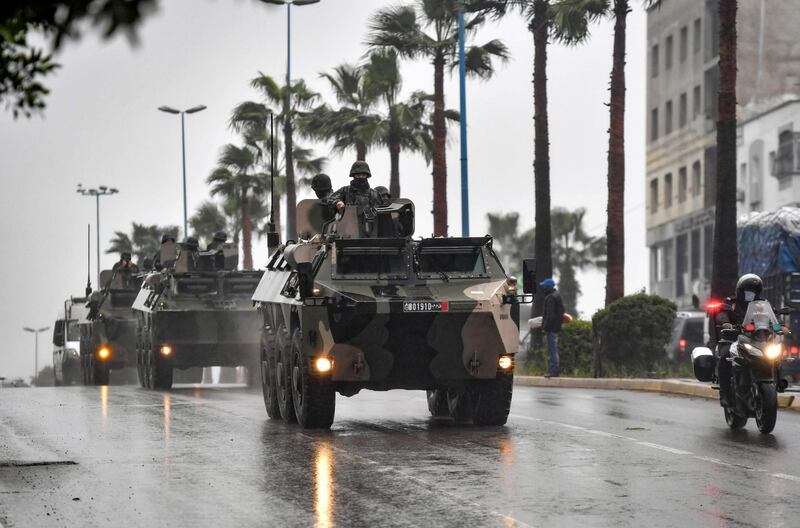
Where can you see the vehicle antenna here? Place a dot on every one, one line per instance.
(88, 259)
(273, 237)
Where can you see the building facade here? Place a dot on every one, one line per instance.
(682, 88)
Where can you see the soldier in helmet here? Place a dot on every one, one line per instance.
(358, 193)
(383, 192)
(125, 265)
(217, 241)
(321, 185)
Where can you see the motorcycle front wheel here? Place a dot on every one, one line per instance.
(766, 407)
(734, 421)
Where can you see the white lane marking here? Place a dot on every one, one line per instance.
(665, 448)
(786, 477)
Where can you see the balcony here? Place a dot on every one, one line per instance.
(786, 161)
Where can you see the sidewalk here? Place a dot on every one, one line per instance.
(666, 386)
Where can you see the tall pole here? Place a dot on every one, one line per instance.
(289, 49)
(97, 223)
(183, 157)
(36, 356)
(462, 84)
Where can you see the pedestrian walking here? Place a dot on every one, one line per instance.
(552, 319)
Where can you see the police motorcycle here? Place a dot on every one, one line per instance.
(755, 349)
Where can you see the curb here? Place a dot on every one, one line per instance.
(663, 386)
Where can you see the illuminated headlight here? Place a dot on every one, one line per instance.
(316, 291)
(505, 362)
(753, 351)
(104, 353)
(773, 351)
(71, 352)
(323, 364)
(165, 350)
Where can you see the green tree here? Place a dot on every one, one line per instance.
(572, 20)
(504, 228)
(429, 29)
(143, 242)
(207, 220)
(574, 250)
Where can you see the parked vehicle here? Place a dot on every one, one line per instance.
(687, 334)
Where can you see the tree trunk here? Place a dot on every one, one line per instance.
(725, 269)
(543, 245)
(291, 193)
(569, 287)
(247, 234)
(439, 150)
(615, 231)
(361, 151)
(394, 172)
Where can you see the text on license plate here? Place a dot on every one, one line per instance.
(426, 306)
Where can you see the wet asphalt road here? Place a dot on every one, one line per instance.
(201, 456)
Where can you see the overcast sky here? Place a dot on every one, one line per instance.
(101, 127)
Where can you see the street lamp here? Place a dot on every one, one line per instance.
(36, 333)
(102, 190)
(192, 110)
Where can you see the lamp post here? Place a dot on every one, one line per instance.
(36, 332)
(102, 190)
(192, 110)
(289, 4)
(462, 85)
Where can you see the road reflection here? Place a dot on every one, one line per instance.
(104, 400)
(167, 399)
(324, 485)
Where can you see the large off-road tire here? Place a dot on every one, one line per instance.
(312, 394)
(159, 368)
(459, 405)
(267, 371)
(283, 378)
(734, 420)
(766, 407)
(437, 403)
(491, 400)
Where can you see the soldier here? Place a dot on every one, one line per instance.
(321, 185)
(125, 265)
(157, 257)
(383, 192)
(358, 193)
(217, 241)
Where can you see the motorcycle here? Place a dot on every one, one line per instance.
(755, 349)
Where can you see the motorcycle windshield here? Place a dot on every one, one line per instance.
(760, 315)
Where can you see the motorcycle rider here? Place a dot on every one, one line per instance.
(748, 289)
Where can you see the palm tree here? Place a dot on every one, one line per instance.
(724, 270)
(207, 220)
(571, 21)
(574, 250)
(504, 228)
(143, 242)
(235, 179)
(429, 28)
(288, 109)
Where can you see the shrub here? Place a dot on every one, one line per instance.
(575, 351)
(634, 331)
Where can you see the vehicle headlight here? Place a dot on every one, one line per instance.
(773, 351)
(71, 352)
(753, 351)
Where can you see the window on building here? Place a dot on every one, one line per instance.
(697, 103)
(710, 91)
(668, 118)
(653, 195)
(698, 37)
(786, 162)
(655, 264)
(694, 255)
(681, 264)
(682, 184)
(708, 249)
(668, 53)
(668, 191)
(684, 50)
(682, 111)
(654, 61)
(654, 124)
(667, 258)
(696, 178)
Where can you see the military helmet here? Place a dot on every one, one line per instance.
(383, 191)
(321, 182)
(360, 167)
(192, 244)
(165, 237)
(125, 255)
(220, 236)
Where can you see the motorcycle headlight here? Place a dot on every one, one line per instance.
(753, 351)
(773, 351)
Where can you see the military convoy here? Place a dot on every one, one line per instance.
(108, 333)
(195, 311)
(358, 304)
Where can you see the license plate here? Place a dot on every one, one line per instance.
(426, 306)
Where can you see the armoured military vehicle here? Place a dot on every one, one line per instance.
(67, 342)
(108, 333)
(195, 312)
(359, 304)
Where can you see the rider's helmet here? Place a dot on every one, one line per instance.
(748, 288)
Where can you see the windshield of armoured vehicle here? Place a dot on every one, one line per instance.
(457, 262)
(73, 331)
(371, 262)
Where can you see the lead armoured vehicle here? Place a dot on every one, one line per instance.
(359, 304)
(195, 312)
(108, 333)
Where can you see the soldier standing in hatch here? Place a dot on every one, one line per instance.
(552, 319)
(217, 241)
(125, 265)
(358, 193)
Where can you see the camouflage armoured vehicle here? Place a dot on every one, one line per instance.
(67, 342)
(356, 306)
(195, 312)
(108, 333)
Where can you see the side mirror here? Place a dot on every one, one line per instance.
(305, 279)
(58, 340)
(273, 238)
(529, 276)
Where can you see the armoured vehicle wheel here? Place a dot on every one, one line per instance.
(313, 396)
(491, 400)
(459, 405)
(734, 421)
(766, 407)
(268, 375)
(283, 381)
(437, 403)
